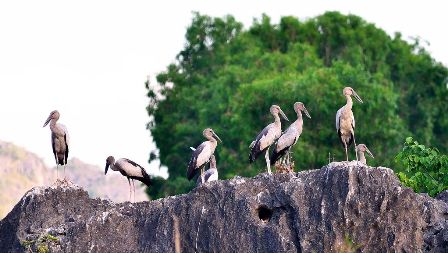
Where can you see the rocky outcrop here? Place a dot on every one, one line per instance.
(341, 207)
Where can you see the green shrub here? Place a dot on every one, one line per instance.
(424, 169)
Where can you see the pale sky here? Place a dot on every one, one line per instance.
(90, 59)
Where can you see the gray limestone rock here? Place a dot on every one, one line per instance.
(344, 206)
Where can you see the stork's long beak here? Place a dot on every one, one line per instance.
(217, 137)
(47, 121)
(105, 169)
(306, 112)
(370, 153)
(357, 96)
(283, 114)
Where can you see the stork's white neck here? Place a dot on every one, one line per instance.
(211, 138)
(276, 118)
(112, 167)
(53, 122)
(299, 120)
(213, 143)
(349, 102)
(362, 157)
(299, 114)
(212, 164)
(53, 126)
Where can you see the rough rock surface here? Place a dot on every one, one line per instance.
(341, 207)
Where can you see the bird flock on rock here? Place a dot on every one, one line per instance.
(203, 155)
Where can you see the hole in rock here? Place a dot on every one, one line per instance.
(264, 213)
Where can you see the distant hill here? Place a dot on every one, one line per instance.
(20, 170)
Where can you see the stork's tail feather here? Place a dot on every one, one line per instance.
(349, 140)
(146, 179)
(274, 157)
(277, 155)
(254, 151)
(252, 157)
(254, 154)
(61, 160)
(191, 170)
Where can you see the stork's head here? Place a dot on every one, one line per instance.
(275, 110)
(349, 91)
(109, 161)
(212, 162)
(53, 115)
(299, 106)
(363, 148)
(209, 133)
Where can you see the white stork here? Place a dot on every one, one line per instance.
(210, 175)
(361, 148)
(345, 121)
(290, 135)
(267, 137)
(130, 169)
(201, 155)
(59, 140)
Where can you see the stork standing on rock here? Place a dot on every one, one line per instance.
(210, 175)
(267, 137)
(345, 121)
(290, 135)
(59, 140)
(202, 154)
(361, 148)
(130, 169)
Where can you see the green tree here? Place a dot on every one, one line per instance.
(227, 78)
(424, 169)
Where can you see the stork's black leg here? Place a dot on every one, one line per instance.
(129, 181)
(346, 153)
(289, 157)
(133, 187)
(57, 166)
(354, 141)
(268, 163)
(202, 174)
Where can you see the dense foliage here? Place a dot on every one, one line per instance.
(227, 78)
(425, 169)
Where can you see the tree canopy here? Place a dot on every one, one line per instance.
(227, 77)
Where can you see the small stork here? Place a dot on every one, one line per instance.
(345, 121)
(361, 148)
(59, 140)
(202, 154)
(267, 137)
(130, 169)
(210, 175)
(290, 135)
